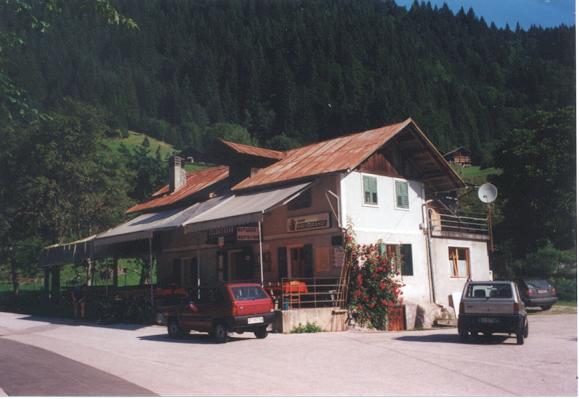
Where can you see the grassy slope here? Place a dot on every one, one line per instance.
(135, 139)
(474, 174)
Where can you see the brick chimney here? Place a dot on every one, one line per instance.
(177, 175)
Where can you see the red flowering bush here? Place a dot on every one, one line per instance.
(374, 283)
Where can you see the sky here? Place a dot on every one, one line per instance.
(545, 13)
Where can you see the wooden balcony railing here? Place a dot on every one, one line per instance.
(458, 226)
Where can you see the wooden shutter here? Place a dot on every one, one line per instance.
(308, 260)
(402, 194)
(406, 254)
(370, 190)
(282, 262)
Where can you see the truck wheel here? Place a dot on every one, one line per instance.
(261, 332)
(520, 338)
(174, 330)
(546, 307)
(220, 333)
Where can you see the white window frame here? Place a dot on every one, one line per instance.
(377, 204)
(396, 198)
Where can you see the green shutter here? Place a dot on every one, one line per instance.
(370, 190)
(282, 262)
(402, 194)
(308, 260)
(406, 254)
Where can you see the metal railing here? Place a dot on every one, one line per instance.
(303, 292)
(447, 225)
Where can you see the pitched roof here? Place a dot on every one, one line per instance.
(458, 149)
(339, 154)
(254, 151)
(196, 182)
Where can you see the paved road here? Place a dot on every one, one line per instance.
(30, 371)
(419, 363)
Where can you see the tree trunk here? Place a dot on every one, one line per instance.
(14, 277)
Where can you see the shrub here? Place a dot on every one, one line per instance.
(374, 283)
(308, 328)
(566, 288)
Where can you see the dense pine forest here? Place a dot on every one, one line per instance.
(277, 73)
(306, 70)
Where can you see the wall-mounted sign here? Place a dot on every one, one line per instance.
(247, 233)
(338, 257)
(308, 222)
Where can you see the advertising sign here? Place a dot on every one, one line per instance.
(247, 233)
(308, 222)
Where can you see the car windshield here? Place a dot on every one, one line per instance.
(537, 284)
(248, 293)
(489, 290)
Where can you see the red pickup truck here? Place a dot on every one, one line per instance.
(232, 307)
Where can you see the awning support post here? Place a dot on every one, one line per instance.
(115, 272)
(47, 281)
(55, 283)
(260, 252)
(151, 271)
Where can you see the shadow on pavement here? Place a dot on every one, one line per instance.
(454, 339)
(199, 339)
(84, 322)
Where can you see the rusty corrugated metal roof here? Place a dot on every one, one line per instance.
(196, 181)
(254, 151)
(339, 154)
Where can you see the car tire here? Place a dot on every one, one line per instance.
(546, 307)
(526, 332)
(521, 336)
(220, 333)
(261, 332)
(174, 329)
(462, 334)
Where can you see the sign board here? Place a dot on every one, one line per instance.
(247, 233)
(338, 256)
(308, 222)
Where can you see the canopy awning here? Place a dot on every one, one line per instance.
(240, 209)
(72, 252)
(143, 226)
(140, 228)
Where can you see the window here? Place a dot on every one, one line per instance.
(370, 190)
(248, 293)
(489, 290)
(401, 257)
(304, 200)
(459, 260)
(401, 194)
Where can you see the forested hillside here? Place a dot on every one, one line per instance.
(306, 69)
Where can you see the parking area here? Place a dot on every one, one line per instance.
(419, 363)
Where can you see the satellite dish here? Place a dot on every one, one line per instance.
(487, 193)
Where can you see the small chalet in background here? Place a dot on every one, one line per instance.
(459, 156)
(279, 218)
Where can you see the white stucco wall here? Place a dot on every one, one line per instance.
(444, 284)
(391, 225)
